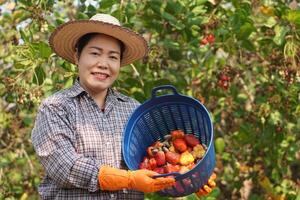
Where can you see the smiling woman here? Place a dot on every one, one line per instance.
(75, 127)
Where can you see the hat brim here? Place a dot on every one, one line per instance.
(65, 37)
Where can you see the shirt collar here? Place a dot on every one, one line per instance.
(76, 90)
(113, 94)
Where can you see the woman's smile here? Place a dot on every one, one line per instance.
(100, 76)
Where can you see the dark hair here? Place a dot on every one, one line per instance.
(83, 40)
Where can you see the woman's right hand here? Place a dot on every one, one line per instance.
(112, 179)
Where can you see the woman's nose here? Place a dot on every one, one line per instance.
(102, 64)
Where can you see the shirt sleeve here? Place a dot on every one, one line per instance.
(53, 139)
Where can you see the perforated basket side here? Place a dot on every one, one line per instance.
(156, 118)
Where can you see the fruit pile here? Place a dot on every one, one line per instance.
(179, 152)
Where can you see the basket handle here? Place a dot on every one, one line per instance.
(163, 87)
(168, 174)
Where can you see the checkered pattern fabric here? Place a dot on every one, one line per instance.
(72, 138)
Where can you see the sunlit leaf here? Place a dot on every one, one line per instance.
(270, 22)
(198, 10)
(280, 32)
(293, 16)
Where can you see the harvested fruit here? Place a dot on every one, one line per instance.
(158, 144)
(152, 163)
(183, 169)
(186, 158)
(191, 140)
(160, 158)
(191, 165)
(145, 164)
(150, 151)
(172, 157)
(172, 148)
(179, 152)
(159, 170)
(169, 168)
(177, 134)
(198, 151)
(180, 145)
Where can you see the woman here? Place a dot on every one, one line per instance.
(78, 131)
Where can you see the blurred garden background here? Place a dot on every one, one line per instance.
(240, 58)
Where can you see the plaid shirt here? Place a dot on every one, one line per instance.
(72, 138)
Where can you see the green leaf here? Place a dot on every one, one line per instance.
(173, 20)
(175, 54)
(210, 61)
(199, 2)
(245, 31)
(191, 197)
(106, 4)
(25, 2)
(171, 44)
(23, 64)
(2, 89)
(59, 21)
(220, 145)
(44, 49)
(27, 121)
(65, 65)
(24, 37)
(169, 17)
(156, 6)
(50, 3)
(174, 7)
(275, 117)
(195, 21)
(39, 76)
(280, 32)
(293, 16)
(245, 134)
(69, 82)
(270, 22)
(199, 10)
(160, 82)
(139, 96)
(247, 44)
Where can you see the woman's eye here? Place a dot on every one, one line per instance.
(95, 53)
(114, 57)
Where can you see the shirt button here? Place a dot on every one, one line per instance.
(112, 196)
(125, 191)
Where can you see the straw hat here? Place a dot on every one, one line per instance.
(65, 37)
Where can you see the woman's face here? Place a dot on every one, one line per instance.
(99, 63)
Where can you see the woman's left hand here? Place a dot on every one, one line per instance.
(206, 189)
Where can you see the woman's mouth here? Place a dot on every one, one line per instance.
(100, 76)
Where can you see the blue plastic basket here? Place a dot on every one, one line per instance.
(156, 118)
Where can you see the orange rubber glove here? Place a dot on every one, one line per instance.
(112, 179)
(206, 189)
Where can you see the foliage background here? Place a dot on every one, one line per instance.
(248, 78)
